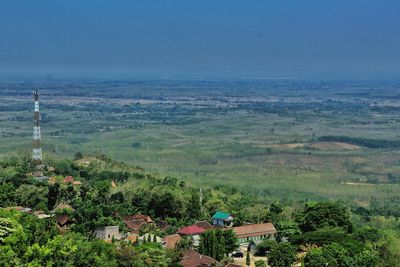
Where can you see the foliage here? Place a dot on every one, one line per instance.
(282, 255)
(324, 214)
(248, 262)
(371, 240)
(7, 194)
(263, 248)
(335, 254)
(260, 263)
(217, 243)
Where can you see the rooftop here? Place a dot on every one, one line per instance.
(192, 258)
(170, 241)
(251, 230)
(219, 215)
(191, 230)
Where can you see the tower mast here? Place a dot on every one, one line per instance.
(37, 136)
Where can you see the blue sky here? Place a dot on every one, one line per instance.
(201, 38)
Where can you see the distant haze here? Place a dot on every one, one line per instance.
(216, 38)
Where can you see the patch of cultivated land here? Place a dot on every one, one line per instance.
(253, 135)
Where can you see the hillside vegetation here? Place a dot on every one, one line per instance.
(308, 232)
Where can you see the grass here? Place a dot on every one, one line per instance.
(213, 137)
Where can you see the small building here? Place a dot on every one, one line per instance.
(76, 182)
(192, 258)
(170, 241)
(68, 179)
(40, 214)
(62, 220)
(63, 223)
(133, 238)
(108, 233)
(222, 219)
(253, 232)
(148, 237)
(193, 231)
(137, 221)
(20, 209)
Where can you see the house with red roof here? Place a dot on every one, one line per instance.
(191, 230)
(194, 232)
(192, 258)
(136, 222)
(68, 179)
(205, 225)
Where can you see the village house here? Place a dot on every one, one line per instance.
(192, 258)
(170, 241)
(194, 232)
(68, 179)
(108, 233)
(137, 221)
(204, 224)
(253, 232)
(63, 222)
(222, 219)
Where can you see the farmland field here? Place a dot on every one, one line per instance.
(280, 139)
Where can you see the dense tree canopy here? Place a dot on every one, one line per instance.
(326, 233)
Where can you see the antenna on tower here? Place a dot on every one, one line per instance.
(37, 136)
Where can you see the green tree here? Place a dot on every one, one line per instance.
(282, 255)
(78, 156)
(185, 243)
(248, 262)
(194, 208)
(31, 195)
(324, 214)
(8, 173)
(7, 194)
(263, 248)
(217, 243)
(260, 263)
(8, 228)
(315, 258)
(53, 195)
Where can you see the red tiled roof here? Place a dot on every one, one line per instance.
(204, 224)
(134, 225)
(68, 179)
(135, 222)
(191, 230)
(172, 240)
(191, 258)
(254, 230)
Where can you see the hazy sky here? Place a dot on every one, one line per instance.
(217, 37)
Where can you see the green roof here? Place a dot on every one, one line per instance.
(219, 215)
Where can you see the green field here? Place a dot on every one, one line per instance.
(263, 136)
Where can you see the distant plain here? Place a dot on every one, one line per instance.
(280, 139)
